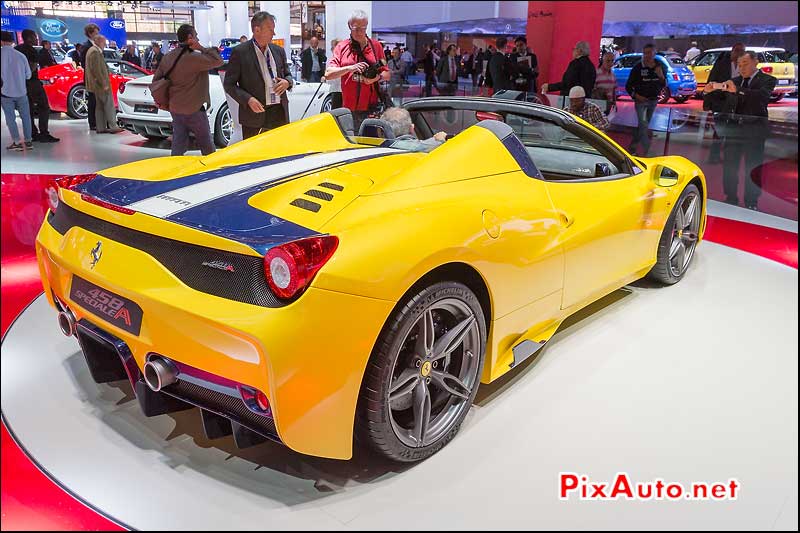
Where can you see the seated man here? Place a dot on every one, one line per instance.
(400, 121)
(588, 111)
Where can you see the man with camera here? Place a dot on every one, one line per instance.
(361, 64)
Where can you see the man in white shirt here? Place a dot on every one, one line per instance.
(15, 70)
(692, 52)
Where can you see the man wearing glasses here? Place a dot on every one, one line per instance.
(360, 63)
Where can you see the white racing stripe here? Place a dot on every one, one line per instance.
(172, 202)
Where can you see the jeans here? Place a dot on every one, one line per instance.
(195, 123)
(37, 99)
(20, 103)
(644, 112)
(316, 77)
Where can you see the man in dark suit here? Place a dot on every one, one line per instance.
(725, 68)
(429, 65)
(499, 68)
(447, 72)
(258, 77)
(313, 62)
(747, 130)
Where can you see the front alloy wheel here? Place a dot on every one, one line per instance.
(78, 102)
(679, 238)
(423, 374)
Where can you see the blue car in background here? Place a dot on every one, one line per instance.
(681, 83)
(225, 47)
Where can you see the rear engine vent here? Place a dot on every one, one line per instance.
(329, 185)
(320, 194)
(307, 205)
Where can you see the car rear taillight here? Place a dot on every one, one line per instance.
(255, 400)
(122, 87)
(107, 205)
(64, 182)
(675, 77)
(289, 268)
(766, 69)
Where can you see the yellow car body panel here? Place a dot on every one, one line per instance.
(539, 246)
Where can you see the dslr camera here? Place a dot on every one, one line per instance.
(371, 71)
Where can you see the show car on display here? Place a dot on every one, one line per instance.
(66, 92)
(681, 83)
(139, 113)
(308, 284)
(771, 61)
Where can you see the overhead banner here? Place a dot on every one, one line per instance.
(60, 29)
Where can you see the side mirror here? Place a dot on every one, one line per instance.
(602, 170)
(665, 176)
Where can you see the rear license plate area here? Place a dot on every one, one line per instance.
(109, 306)
(144, 108)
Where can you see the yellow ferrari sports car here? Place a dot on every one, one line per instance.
(314, 286)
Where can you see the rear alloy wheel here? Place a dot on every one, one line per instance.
(327, 104)
(223, 126)
(679, 239)
(664, 95)
(78, 102)
(680, 99)
(423, 374)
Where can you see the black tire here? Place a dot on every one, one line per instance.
(374, 427)
(680, 99)
(664, 95)
(73, 110)
(662, 271)
(327, 104)
(219, 135)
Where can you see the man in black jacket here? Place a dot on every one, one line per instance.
(580, 71)
(644, 85)
(725, 68)
(429, 67)
(313, 62)
(46, 58)
(525, 66)
(746, 131)
(258, 77)
(37, 98)
(499, 68)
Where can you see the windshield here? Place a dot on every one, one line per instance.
(406, 145)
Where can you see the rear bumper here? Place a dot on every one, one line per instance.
(151, 127)
(307, 357)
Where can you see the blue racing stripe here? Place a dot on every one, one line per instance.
(123, 191)
(234, 218)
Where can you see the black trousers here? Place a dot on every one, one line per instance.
(734, 149)
(274, 116)
(37, 99)
(92, 105)
(430, 81)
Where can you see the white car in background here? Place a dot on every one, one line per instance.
(139, 114)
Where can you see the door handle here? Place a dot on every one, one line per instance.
(565, 219)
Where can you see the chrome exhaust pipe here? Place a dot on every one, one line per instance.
(160, 372)
(66, 322)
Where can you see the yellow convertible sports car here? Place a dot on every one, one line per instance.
(310, 285)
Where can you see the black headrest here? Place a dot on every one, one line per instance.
(344, 118)
(370, 127)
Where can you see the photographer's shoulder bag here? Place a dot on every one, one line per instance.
(160, 88)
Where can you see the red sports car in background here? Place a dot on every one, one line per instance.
(66, 92)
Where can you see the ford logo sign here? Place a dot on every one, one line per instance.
(53, 28)
(117, 24)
